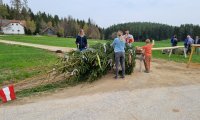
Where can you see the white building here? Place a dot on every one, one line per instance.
(12, 27)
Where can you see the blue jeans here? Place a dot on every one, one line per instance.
(120, 58)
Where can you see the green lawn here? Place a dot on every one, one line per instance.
(176, 58)
(164, 43)
(47, 40)
(70, 42)
(19, 62)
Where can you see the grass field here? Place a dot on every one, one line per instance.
(47, 40)
(66, 42)
(19, 62)
(70, 42)
(176, 58)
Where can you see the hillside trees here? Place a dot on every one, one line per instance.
(144, 30)
(18, 5)
(30, 26)
(4, 11)
(65, 27)
(69, 26)
(37, 23)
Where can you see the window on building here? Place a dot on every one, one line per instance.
(16, 24)
(18, 30)
(12, 24)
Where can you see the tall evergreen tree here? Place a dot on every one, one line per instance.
(4, 11)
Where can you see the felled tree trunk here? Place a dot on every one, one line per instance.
(93, 63)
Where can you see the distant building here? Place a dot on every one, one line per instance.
(49, 31)
(12, 26)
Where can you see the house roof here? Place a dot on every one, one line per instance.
(4, 22)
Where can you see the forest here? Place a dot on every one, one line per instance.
(69, 26)
(37, 22)
(156, 31)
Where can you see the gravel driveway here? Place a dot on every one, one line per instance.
(168, 103)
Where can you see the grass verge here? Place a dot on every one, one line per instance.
(20, 62)
(48, 40)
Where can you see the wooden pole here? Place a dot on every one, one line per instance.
(185, 52)
(164, 48)
(190, 58)
(170, 52)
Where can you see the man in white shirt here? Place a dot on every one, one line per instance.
(128, 37)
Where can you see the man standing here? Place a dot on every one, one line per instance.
(197, 41)
(81, 40)
(174, 42)
(189, 43)
(129, 38)
(119, 49)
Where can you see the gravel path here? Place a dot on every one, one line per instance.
(46, 47)
(168, 103)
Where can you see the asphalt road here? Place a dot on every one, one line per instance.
(167, 103)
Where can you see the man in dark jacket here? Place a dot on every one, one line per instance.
(81, 41)
(174, 42)
(198, 42)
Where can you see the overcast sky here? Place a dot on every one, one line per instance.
(109, 12)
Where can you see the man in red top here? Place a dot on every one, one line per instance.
(147, 50)
(129, 38)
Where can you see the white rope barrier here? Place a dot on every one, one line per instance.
(171, 48)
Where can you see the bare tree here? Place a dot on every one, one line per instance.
(18, 5)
